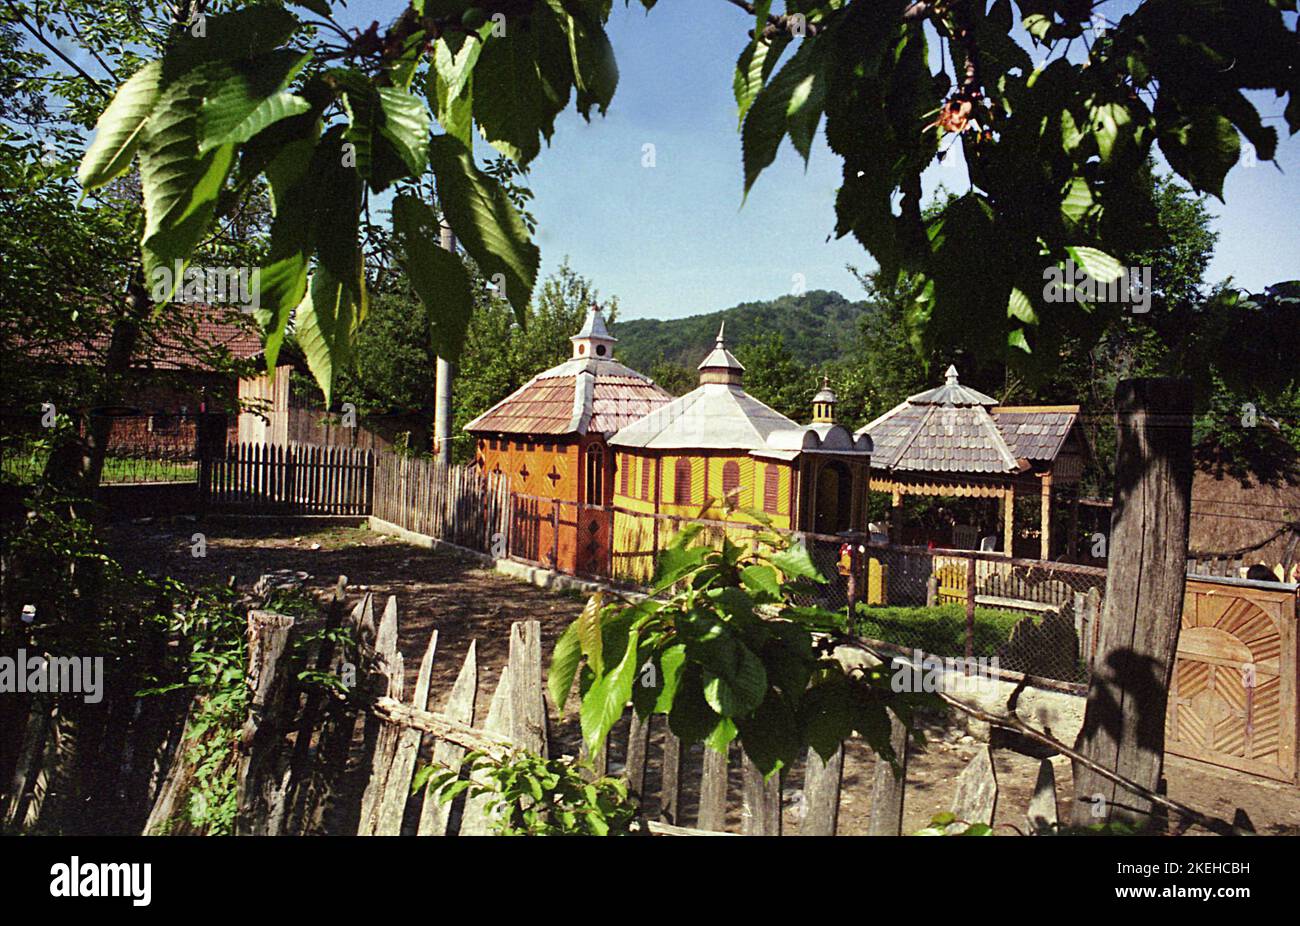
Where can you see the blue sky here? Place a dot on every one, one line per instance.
(673, 240)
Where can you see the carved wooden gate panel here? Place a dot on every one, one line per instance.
(1233, 697)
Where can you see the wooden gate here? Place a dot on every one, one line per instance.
(1233, 697)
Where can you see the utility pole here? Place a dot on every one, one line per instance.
(442, 399)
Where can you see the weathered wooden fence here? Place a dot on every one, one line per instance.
(460, 504)
(295, 479)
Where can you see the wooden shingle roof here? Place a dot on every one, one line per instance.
(955, 429)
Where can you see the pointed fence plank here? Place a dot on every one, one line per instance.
(397, 789)
(476, 821)
(888, 787)
(821, 793)
(385, 678)
(260, 795)
(434, 814)
(527, 703)
(977, 790)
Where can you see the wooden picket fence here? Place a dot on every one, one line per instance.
(332, 765)
(459, 504)
(270, 479)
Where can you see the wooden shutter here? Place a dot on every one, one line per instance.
(771, 489)
(731, 482)
(682, 481)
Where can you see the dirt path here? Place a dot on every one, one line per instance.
(465, 602)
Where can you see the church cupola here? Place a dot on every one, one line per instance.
(824, 404)
(721, 366)
(594, 340)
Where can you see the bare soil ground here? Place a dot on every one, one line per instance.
(464, 601)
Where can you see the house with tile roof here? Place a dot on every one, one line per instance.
(550, 437)
(954, 441)
(204, 359)
(717, 453)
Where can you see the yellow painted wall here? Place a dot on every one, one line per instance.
(634, 539)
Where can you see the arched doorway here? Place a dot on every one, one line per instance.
(833, 513)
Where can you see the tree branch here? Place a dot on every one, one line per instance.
(40, 37)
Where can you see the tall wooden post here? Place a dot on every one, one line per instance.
(1009, 521)
(1045, 519)
(1124, 723)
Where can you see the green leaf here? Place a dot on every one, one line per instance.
(1202, 146)
(242, 33)
(739, 688)
(826, 715)
(485, 221)
(179, 186)
(691, 718)
(1019, 307)
(406, 125)
(120, 127)
(437, 276)
(754, 67)
(590, 637)
(1097, 264)
(250, 99)
(762, 581)
(595, 72)
(795, 563)
(604, 704)
(792, 102)
(564, 666)
(283, 276)
(508, 101)
(671, 661)
(771, 737)
(324, 323)
(720, 737)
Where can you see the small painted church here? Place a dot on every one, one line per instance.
(717, 453)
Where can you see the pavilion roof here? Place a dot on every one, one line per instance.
(956, 429)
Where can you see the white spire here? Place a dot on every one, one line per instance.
(594, 340)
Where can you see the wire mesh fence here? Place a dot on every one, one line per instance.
(141, 449)
(1035, 617)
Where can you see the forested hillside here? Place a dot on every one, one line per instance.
(816, 326)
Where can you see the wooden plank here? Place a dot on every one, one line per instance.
(435, 815)
(385, 675)
(397, 788)
(260, 792)
(713, 791)
(762, 801)
(821, 793)
(1124, 721)
(670, 791)
(527, 703)
(889, 784)
(1043, 812)
(476, 821)
(976, 799)
(638, 743)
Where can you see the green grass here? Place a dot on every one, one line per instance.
(940, 630)
(26, 467)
